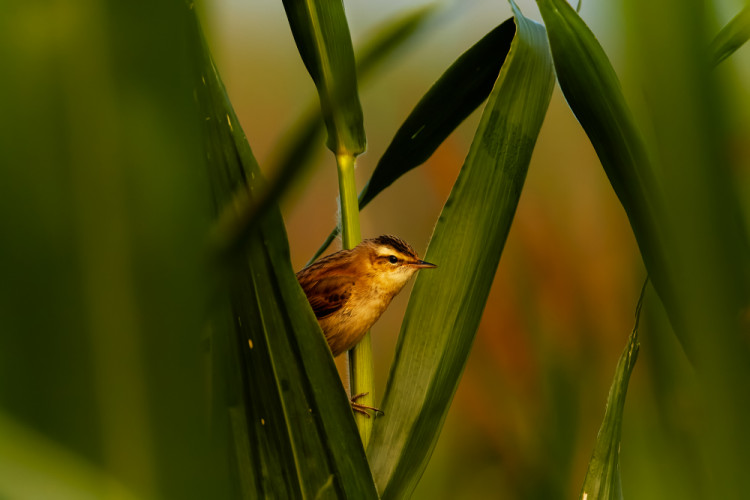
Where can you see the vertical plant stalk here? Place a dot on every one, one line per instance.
(361, 372)
(322, 36)
(349, 203)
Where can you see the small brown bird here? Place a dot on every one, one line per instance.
(349, 290)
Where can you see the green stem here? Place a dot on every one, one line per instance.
(362, 378)
(361, 372)
(349, 204)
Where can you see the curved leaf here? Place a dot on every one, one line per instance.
(603, 480)
(458, 92)
(322, 36)
(284, 410)
(446, 305)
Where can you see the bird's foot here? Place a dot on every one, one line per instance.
(360, 408)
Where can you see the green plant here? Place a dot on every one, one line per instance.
(148, 291)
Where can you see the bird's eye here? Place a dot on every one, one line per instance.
(393, 259)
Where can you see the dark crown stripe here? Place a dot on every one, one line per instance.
(396, 243)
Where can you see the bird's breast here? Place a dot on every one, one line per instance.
(366, 307)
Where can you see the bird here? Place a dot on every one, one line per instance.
(350, 289)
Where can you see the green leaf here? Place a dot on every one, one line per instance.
(446, 305)
(285, 412)
(322, 36)
(732, 36)
(603, 480)
(456, 94)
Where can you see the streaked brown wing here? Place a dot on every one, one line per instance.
(328, 295)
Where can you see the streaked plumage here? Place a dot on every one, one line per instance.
(349, 290)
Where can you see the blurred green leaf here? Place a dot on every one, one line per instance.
(732, 36)
(34, 466)
(603, 480)
(103, 208)
(705, 229)
(389, 38)
(322, 36)
(447, 304)
(456, 94)
(286, 415)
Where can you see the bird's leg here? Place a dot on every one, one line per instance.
(360, 408)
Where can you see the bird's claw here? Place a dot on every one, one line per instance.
(362, 409)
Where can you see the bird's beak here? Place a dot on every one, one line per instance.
(420, 264)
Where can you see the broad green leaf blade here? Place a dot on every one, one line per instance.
(446, 305)
(322, 36)
(593, 91)
(732, 36)
(286, 413)
(455, 95)
(603, 480)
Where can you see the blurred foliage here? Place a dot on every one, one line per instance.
(102, 213)
(705, 236)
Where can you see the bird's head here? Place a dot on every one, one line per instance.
(391, 261)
